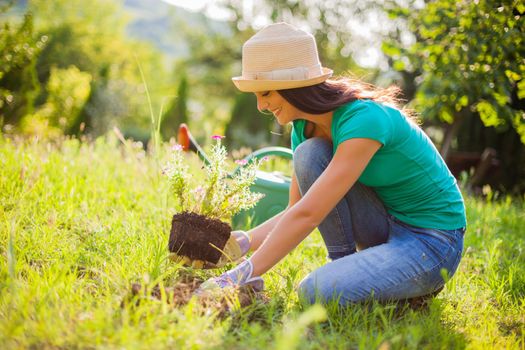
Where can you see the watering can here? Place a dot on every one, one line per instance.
(275, 186)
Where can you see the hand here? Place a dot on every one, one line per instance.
(244, 239)
(236, 247)
(237, 277)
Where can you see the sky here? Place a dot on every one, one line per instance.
(212, 11)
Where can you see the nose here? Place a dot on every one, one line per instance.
(261, 104)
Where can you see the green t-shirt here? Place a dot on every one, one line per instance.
(407, 172)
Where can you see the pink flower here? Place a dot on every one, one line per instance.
(177, 147)
(241, 161)
(199, 190)
(217, 137)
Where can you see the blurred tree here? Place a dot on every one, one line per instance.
(468, 64)
(250, 128)
(67, 92)
(210, 64)
(177, 113)
(92, 39)
(329, 21)
(19, 48)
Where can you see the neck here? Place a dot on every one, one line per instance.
(321, 121)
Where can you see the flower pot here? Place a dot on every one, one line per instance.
(198, 237)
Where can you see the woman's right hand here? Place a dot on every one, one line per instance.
(236, 247)
(244, 240)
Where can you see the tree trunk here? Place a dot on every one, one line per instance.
(451, 132)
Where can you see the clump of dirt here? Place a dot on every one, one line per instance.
(181, 293)
(198, 237)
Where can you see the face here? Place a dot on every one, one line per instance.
(272, 101)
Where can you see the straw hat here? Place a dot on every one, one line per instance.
(280, 56)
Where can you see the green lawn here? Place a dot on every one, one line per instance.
(80, 222)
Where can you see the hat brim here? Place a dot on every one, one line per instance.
(247, 85)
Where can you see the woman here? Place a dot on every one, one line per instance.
(388, 209)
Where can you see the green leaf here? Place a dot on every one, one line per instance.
(512, 75)
(399, 65)
(462, 102)
(521, 89)
(488, 114)
(446, 116)
(501, 99)
(390, 50)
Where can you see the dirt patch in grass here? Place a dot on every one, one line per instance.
(181, 293)
(198, 237)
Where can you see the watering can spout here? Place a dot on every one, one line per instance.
(188, 143)
(185, 139)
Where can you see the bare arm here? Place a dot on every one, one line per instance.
(298, 221)
(260, 232)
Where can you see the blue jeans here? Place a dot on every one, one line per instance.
(374, 255)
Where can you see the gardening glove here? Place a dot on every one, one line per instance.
(236, 247)
(236, 277)
(244, 239)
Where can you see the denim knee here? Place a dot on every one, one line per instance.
(306, 290)
(310, 159)
(312, 290)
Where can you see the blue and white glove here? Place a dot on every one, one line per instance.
(244, 240)
(236, 247)
(236, 277)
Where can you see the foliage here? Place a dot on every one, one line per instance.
(80, 222)
(218, 196)
(328, 21)
(250, 128)
(67, 92)
(19, 48)
(92, 39)
(468, 57)
(178, 112)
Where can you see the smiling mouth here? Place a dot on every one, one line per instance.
(276, 111)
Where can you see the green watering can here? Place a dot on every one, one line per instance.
(275, 186)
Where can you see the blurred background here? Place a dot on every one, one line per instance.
(81, 68)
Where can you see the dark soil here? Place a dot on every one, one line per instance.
(198, 237)
(181, 293)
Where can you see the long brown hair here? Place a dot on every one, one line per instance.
(334, 93)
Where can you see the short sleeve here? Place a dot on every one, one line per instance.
(366, 119)
(295, 135)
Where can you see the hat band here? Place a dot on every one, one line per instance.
(296, 73)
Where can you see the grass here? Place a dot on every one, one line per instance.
(80, 222)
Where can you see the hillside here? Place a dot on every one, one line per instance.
(154, 21)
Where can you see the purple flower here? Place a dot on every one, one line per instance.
(265, 158)
(241, 161)
(177, 147)
(217, 137)
(199, 190)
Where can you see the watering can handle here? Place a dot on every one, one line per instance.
(267, 151)
(270, 151)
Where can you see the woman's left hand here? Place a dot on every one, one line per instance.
(236, 277)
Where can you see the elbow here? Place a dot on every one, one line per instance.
(305, 217)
